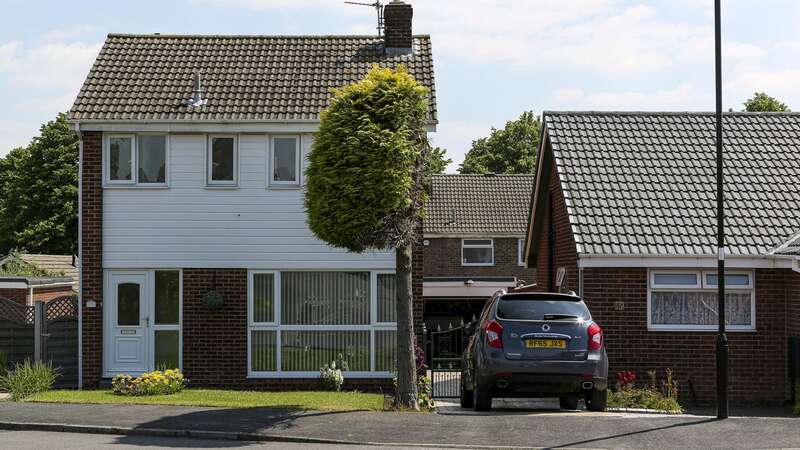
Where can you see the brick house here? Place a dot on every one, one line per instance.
(472, 247)
(625, 203)
(59, 277)
(194, 245)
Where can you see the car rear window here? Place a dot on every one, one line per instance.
(519, 309)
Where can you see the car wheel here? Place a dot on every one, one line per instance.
(466, 395)
(597, 400)
(568, 402)
(481, 400)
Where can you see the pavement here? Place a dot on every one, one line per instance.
(507, 427)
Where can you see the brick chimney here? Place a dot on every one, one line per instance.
(397, 28)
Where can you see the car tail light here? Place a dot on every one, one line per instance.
(494, 334)
(595, 337)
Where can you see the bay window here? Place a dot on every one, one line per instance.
(301, 320)
(686, 300)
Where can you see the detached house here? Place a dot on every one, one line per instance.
(474, 233)
(195, 251)
(624, 203)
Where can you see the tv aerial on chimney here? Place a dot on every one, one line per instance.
(378, 8)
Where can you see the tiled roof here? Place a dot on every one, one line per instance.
(245, 78)
(790, 247)
(479, 204)
(58, 264)
(644, 183)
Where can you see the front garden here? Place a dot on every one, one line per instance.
(649, 395)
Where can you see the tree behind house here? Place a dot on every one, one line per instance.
(39, 193)
(511, 149)
(366, 185)
(762, 102)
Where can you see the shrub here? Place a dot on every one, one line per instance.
(425, 390)
(27, 378)
(330, 376)
(628, 395)
(158, 382)
(3, 363)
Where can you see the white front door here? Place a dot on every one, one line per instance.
(142, 313)
(127, 323)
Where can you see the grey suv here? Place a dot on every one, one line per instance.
(535, 345)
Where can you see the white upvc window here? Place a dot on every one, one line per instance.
(686, 300)
(477, 252)
(299, 321)
(140, 160)
(284, 162)
(521, 252)
(222, 160)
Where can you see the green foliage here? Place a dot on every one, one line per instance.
(3, 362)
(27, 379)
(438, 160)
(368, 164)
(508, 150)
(157, 382)
(628, 395)
(762, 102)
(39, 193)
(17, 267)
(425, 389)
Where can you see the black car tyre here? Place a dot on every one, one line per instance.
(466, 395)
(481, 399)
(597, 400)
(568, 402)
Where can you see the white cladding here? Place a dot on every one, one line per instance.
(189, 225)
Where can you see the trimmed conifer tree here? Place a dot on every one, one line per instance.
(367, 185)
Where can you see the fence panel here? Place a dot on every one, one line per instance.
(60, 335)
(16, 331)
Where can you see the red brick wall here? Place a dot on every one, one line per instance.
(565, 252)
(45, 294)
(16, 295)
(91, 256)
(793, 304)
(443, 259)
(757, 360)
(215, 342)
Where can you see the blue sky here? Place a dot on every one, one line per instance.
(494, 58)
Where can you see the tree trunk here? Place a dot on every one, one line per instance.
(406, 395)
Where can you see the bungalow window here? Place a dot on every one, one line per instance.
(136, 160)
(687, 300)
(302, 320)
(284, 161)
(222, 161)
(477, 252)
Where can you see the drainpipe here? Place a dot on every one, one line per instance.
(80, 255)
(30, 295)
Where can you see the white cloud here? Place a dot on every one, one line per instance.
(681, 97)
(15, 133)
(53, 64)
(64, 34)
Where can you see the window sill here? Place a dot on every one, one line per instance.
(476, 265)
(221, 187)
(671, 329)
(284, 186)
(143, 187)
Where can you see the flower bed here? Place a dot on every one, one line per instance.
(628, 395)
(157, 382)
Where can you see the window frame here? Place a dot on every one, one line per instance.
(465, 245)
(134, 181)
(521, 252)
(298, 148)
(700, 287)
(278, 328)
(211, 183)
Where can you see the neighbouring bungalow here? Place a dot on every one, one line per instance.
(623, 211)
(27, 278)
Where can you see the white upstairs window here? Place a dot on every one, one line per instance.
(284, 161)
(222, 160)
(477, 252)
(136, 160)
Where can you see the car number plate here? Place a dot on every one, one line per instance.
(545, 343)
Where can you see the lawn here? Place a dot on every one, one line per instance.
(303, 400)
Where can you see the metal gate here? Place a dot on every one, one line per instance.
(446, 347)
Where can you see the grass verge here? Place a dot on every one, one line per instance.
(302, 400)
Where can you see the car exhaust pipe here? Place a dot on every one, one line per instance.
(502, 384)
(587, 385)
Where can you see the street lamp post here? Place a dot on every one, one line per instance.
(722, 340)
